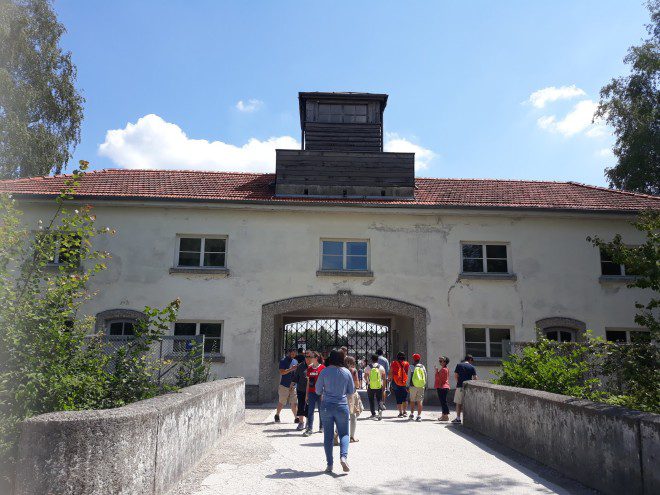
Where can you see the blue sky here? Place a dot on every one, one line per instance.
(166, 78)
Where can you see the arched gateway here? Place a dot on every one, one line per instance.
(406, 324)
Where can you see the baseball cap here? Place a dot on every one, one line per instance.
(416, 357)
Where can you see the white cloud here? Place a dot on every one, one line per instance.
(605, 153)
(542, 96)
(251, 106)
(577, 120)
(394, 142)
(153, 143)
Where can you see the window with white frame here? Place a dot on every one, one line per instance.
(623, 336)
(344, 255)
(484, 258)
(203, 252)
(484, 342)
(212, 332)
(120, 327)
(609, 267)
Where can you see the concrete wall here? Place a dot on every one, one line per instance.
(610, 448)
(142, 448)
(273, 254)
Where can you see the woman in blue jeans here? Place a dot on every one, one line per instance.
(334, 384)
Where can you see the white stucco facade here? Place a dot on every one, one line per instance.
(273, 253)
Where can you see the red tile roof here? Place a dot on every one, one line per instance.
(244, 187)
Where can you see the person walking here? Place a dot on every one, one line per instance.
(360, 371)
(417, 379)
(334, 385)
(287, 390)
(382, 360)
(355, 407)
(300, 379)
(313, 371)
(375, 374)
(442, 386)
(399, 376)
(464, 372)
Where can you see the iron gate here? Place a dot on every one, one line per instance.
(362, 338)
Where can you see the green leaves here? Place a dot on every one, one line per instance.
(40, 109)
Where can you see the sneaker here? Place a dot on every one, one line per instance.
(374, 417)
(277, 418)
(401, 415)
(419, 418)
(328, 468)
(297, 420)
(444, 417)
(412, 416)
(380, 415)
(321, 429)
(307, 433)
(344, 464)
(456, 420)
(300, 427)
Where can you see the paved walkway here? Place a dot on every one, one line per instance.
(393, 456)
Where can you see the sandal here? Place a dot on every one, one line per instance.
(353, 440)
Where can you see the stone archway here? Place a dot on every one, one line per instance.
(341, 303)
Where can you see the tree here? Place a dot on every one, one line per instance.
(631, 105)
(40, 109)
(644, 262)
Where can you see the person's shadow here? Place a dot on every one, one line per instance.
(288, 473)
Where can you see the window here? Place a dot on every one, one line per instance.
(66, 248)
(342, 114)
(212, 334)
(120, 327)
(609, 267)
(484, 258)
(628, 336)
(560, 334)
(209, 252)
(345, 255)
(486, 342)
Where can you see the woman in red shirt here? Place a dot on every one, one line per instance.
(313, 371)
(442, 386)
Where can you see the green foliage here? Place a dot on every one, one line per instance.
(621, 374)
(193, 369)
(552, 367)
(40, 108)
(644, 261)
(631, 105)
(48, 362)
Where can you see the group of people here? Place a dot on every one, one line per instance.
(331, 380)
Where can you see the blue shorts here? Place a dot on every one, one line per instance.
(400, 393)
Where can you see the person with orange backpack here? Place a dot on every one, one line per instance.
(399, 376)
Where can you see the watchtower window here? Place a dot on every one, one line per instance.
(342, 114)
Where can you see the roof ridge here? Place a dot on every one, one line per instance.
(619, 191)
(176, 170)
(533, 181)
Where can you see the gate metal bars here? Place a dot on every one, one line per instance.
(362, 338)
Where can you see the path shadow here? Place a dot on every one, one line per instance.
(316, 444)
(288, 473)
(282, 435)
(540, 473)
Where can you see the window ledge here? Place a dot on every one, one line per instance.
(214, 358)
(345, 273)
(488, 361)
(200, 270)
(620, 279)
(487, 276)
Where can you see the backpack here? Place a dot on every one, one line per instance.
(401, 376)
(419, 377)
(375, 378)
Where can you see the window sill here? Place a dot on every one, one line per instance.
(345, 273)
(617, 279)
(191, 270)
(488, 361)
(487, 276)
(214, 358)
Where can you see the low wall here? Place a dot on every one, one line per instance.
(142, 448)
(610, 448)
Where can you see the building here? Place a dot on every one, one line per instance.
(343, 245)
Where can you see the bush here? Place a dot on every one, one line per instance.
(620, 374)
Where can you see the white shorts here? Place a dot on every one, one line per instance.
(458, 396)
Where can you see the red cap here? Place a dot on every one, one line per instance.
(416, 357)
